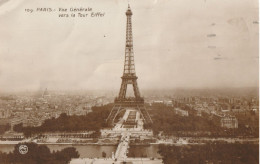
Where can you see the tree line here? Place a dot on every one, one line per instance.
(165, 119)
(210, 153)
(4, 128)
(92, 121)
(38, 154)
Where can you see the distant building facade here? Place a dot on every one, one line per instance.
(229, 122)
(181, 112)
(5, 113)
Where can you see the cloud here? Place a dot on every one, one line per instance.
(3, 1)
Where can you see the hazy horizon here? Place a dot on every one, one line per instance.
(177, 44)
(231, 91)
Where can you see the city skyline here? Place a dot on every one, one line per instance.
(195, 44)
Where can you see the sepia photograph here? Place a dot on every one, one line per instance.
(129, 82)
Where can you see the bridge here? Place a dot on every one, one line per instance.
(120, 157)
(122, 148)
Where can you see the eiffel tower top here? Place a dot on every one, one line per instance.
(129, 12)
(129, 66)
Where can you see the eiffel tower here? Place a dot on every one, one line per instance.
(129, 77)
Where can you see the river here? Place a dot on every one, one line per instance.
(91, 151)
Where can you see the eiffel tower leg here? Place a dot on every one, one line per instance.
(122, 92)
(136, 90)
(144, 113)
(113, 114)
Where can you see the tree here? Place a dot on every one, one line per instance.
(38, 154)
(211, 152)
(104, 155)
(18, 127)
(66, 154)
(4, 128)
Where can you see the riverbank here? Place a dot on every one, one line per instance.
(52, 143)
(110, 160)
(95, 151)
(181, 141)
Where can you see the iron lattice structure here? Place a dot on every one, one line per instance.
(129, 77)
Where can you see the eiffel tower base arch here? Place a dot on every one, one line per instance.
(118, 107)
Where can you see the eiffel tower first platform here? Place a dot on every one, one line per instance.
(129, 77)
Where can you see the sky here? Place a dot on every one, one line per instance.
(177, 43)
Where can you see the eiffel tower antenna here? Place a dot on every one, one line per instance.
(129, 77)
